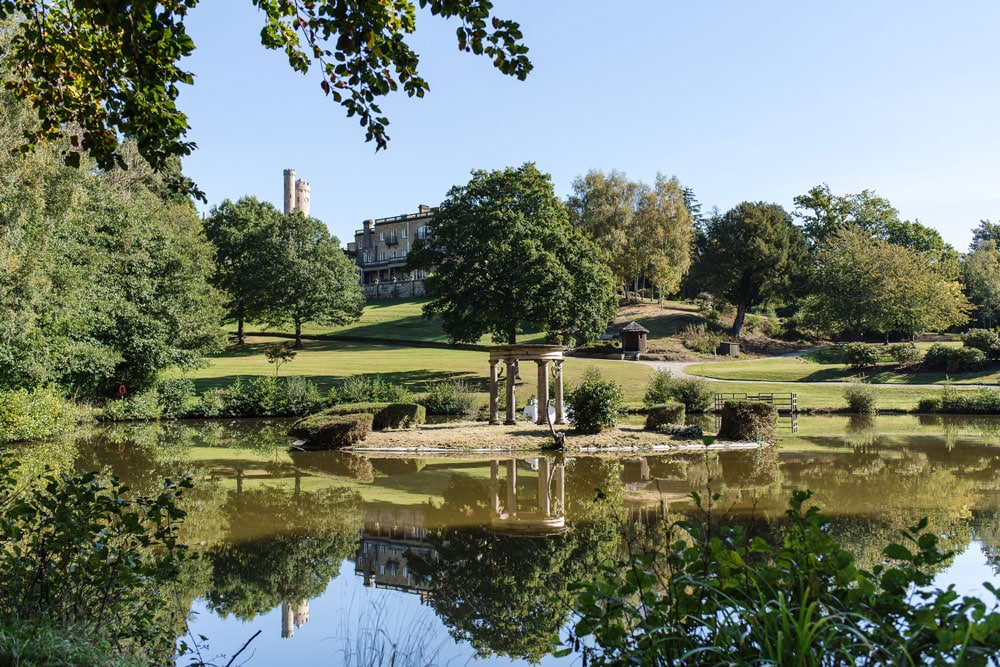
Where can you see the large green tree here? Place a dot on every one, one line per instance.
(239, 230)
(865, 284)
(981, 277)
(503, 255)
(307, 278)
(103, 277)
(644, 232)
(750, 255)
(95, 71)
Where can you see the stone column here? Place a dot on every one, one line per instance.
(543, 392)
(494, 410)
(560, 416)
(560, 484)
(511, 376)
(511, 488)
(544, 501)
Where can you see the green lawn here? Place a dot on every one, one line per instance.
(819, 396)
(326, 362)
(391, 319)
(827, 365)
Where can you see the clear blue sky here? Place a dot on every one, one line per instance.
(739, 100)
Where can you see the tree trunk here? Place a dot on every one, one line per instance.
(239, 330)
(298, 334)
(741, 313)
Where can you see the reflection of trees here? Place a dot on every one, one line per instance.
(749, 468)
(335, 463)
(861, 431)
(507, 594)
(256, 569)
(986, 525)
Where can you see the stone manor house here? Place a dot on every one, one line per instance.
(380, 251)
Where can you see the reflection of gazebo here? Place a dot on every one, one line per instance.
(549, 516)
(541, 355)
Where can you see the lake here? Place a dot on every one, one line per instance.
(341, 558)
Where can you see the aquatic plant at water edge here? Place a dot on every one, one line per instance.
(82, 552)
(707, 594)
(34, 414)
(861, 398)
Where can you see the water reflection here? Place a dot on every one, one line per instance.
(489, 546)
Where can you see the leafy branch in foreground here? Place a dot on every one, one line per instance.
(711, 595)
(97, 70)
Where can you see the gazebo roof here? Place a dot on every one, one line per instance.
(635, 326)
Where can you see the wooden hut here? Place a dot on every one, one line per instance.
(634, 340)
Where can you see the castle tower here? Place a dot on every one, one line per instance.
(289, 191)
(302, 197)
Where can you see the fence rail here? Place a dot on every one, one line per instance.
(783, 401)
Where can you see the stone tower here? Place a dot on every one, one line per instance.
(296, 194)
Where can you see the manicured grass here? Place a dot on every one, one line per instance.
(327, 362)
(827, 365)
(391, 319)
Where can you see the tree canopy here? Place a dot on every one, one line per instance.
(749, 255)
(503, 255)
(864, 284)
(96, 71)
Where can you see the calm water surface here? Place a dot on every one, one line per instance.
(335, 557)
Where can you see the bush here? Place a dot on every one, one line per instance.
(707, 594)
(954, 359)
(660, 416)
(82, 553)
(695, 393)
(35, 414)
(450, 397)
(332, 431)
(748, 421)
(595, 404)
(368, 388)
(399, 415)
(174, 395)
(929, 405)
(144, 406)
(861, 355)
(980, 402)
(302, 396)
(904, 354)
(985, 340)
(659, 389)
(700, 338)
(861, 398)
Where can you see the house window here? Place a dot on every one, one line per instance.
(381, 257)
(403, 233)
(421, 232)
(381, 236)
(402, 253)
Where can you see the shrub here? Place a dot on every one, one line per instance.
(954, 359)
(660, 416)
(980, 402)
(748, 421)
(35, 414)
(302, 396)
(861, 398)
(368, 388)
(986, 340)
(700, 338)
(174, 394)
(595, 404)
(658, 390)
(332, 431)
(929, 405)
(144, 406)
(861, 355)
(399, 415)
(706, 594)
(450, 397)
(83, 553)
(904, 354)
(695, 393)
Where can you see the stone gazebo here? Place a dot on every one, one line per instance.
(542, 355)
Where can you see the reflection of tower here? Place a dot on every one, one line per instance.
(291, 619)
(549, 515)
(296, 194)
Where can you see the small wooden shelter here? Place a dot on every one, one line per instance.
(634, 340)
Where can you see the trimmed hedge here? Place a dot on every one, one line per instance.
(749, 420)
(660, 416)
(954, 359)
(332, 431)
(384, 415)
